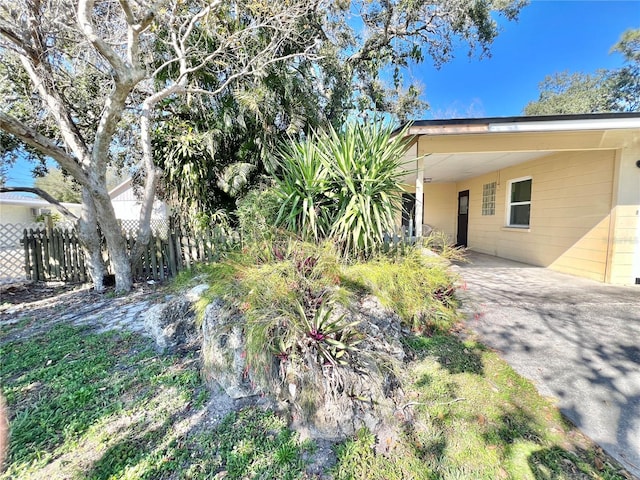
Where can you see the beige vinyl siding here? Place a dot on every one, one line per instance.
(440, 207)
(625, 231)
(570, 213)
(625, 261)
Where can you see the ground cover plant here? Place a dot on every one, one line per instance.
(106, 406)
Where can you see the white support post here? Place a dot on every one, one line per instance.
(419, 196)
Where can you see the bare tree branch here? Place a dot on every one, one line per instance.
(45, 145)
(41, 193)
(85, 12)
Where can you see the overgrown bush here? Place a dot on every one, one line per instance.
(257, 212)
(295, 298)
(440, 243)
(344, 186)
(420, 289)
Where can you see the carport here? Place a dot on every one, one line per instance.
(559, 191)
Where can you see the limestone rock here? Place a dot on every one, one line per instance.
(196, 292)
(224, 351)
(171, 324)
(323, 401)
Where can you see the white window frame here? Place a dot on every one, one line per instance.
(509, 204)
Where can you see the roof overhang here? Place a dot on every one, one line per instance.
(120, 188)
(543, 123)
(466, 148)
(33, 202)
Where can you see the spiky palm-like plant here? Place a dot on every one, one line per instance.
(364, 165)
(343, 185)
(302, 188)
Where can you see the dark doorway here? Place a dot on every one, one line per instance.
(409, 212)
(463, 218)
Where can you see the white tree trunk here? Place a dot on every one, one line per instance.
(90, 239)
(112, 232)
(144, 225)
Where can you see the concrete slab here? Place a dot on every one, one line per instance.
(576, 339)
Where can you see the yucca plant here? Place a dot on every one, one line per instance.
(302, 188)
(343, 185)
(364, 164)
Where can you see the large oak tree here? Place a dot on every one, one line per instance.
(613, 90)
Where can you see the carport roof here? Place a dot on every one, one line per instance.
(586, 121)
(460, 161)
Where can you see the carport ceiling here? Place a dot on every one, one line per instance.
(454, 167)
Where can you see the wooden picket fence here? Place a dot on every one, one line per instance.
(53, 254)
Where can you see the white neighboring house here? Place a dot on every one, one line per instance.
(17, 213)
(127, 205)
(18, 208)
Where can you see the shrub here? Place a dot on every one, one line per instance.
(302, 188)
(344, 186)
(314, 337)
(364, 162)
(440, 243)
(418, 288)
(257, 212)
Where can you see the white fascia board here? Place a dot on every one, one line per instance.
(25, 202)
(565, 125)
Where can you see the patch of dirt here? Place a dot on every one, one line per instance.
(30, 308)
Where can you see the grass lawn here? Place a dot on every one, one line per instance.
(106, 406)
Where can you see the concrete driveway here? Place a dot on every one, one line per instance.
(577, 340)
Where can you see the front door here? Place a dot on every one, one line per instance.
(409, 212)
(463, 218)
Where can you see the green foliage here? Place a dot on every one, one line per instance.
(105, 406)
(486, 422)
(59, 186)
(364, 164)
(65, 386)
(357, 459)
(287, 304)
(474, 418)
(295, 298)
(302, 188)
(212, 147)
(614, 90)
(440, 243)
(331, 339)
(344, 186)
(420, 289)
(625, 82)
(257, 444)
(565, 93)
(257, 212)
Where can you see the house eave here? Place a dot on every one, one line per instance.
(545, 123)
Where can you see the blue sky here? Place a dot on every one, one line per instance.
(550, 36)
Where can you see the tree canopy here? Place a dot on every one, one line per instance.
(208, 148)
(88, 83)
(615, 90)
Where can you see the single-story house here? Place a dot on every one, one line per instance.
(127, 206)
(20, 208)
(558, 191)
